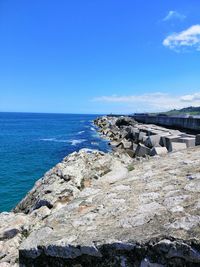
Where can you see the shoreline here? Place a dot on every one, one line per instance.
(108, 209)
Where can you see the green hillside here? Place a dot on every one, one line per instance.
(188, 110)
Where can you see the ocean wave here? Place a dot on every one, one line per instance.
(95, 143)
(54, 140)
(81, 132)
(47, 139)
(92, 129)
(77, 141)
(73, 142)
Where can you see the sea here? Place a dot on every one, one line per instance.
(32, 143)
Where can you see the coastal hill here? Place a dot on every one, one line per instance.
(183, 111)
(109, 209)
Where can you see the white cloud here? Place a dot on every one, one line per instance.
(191, 98)
(189, 38)
(174, 15)
(152, 102)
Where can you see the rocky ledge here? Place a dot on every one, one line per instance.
(97, 209)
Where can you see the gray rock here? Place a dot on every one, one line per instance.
(142, 150)
(153, 140)
(158, 151)
(197, 140)
(176, 146)
(166, 140)
(127, 144)
(189, 141)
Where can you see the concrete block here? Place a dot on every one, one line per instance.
(130, 152)
(187, 135)
(189, 141)
(197, 140)
(175, 132)
(176, 146)
(135, 132)
(142, 150)
(144, 139)
(158, 151)
(127, 144)
(152, 141)
(166, 140)
(116, 144)
(141, 135)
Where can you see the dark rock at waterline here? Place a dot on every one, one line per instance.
(125, 121)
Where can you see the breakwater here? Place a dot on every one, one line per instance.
(139, 139)
(188, 123)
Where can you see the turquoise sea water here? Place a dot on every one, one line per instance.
(30, 144)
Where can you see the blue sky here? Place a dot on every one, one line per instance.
(99, 56)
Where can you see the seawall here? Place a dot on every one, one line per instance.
(188, 123)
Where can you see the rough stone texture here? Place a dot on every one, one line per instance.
(153, 140)
(158, 151)
(148, 215)
(175, 146)
(142, 150)
(197, 140)
(189, 141)
(167, 140)
(13, 227)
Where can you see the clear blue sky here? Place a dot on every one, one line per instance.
(99, 56)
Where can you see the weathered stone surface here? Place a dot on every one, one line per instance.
(130, 152)
(123, 121)
(189, 141)
(142, 150)
(12, 230)
(167, 140)
(158, 151)
(153, 140)
(197, 140)
(127, 144)
(175, 146)
(141, 136)
(144, 215)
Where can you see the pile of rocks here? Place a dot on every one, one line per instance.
(143, 139)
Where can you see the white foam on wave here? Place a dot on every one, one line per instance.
(48, 139)
(77, 141)
(92, 129)
(81, 132)
(95, 143)
(73, 142)
(54, 140)
(89, 150)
